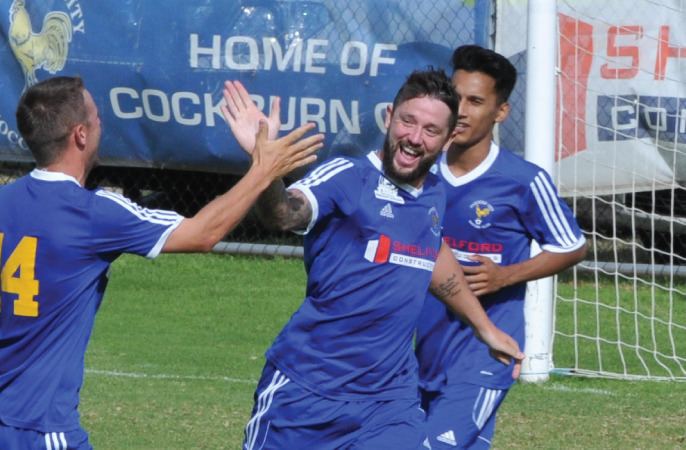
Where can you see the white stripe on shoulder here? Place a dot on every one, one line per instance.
(558, 210)
(545, 204)
(325, 172)
(157, 216)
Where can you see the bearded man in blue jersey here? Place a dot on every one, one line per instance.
(342, 373)
(57, 241)
(497, 205)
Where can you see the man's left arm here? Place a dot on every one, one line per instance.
(448, 284)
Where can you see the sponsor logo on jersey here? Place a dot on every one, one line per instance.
(465, 257)
(435, 221)
(385, 250)
(387, 211)
(481, 209)
(463, 249)
(388, 191)
(44, 42)
(447, 438)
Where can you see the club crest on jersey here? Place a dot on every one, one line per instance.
(388, 191)
(481, 210)
(435, 221)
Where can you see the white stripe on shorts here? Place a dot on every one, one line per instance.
(264, 401)
(55, 441)
(488, 399)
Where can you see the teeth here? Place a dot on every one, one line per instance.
(409, 150)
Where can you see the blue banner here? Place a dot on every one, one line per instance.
(156, 69)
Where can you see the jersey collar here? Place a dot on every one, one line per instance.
(413, 191)
(46, 175)
(472, 174)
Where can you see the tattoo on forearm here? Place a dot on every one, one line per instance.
(448, 288)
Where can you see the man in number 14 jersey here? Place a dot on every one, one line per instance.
(57, 241)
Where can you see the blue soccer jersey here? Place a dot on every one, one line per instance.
(57, 241)
(369, 253)
(495, 210)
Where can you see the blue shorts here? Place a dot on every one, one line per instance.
(462, 416)
(22, 439)
(288, 416)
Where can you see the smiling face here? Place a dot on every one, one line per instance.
(417, 131)
(479, 110)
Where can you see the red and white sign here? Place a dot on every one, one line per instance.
(621, 106)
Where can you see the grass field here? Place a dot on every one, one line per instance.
(178, 346)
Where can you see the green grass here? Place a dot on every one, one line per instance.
(178, 347)
(639, 328)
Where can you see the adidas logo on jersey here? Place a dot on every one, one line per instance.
(387, 211)
(448, 438)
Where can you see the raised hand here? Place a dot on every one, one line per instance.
(280, 156)
(243, 116)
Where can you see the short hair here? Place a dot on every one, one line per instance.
(473, 58)
(46, 114)
(432, 83)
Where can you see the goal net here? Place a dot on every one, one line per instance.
(621, 164)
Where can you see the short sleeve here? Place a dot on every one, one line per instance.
(122, 226)
(329, 187)
(548, 218)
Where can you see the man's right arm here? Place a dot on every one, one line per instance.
(277, 207)
(272, 159)
(284, 209)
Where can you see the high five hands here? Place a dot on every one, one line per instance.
(256, 133)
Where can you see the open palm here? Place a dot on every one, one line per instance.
(243, 116)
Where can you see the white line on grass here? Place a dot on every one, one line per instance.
(563, 388)
(164, 376)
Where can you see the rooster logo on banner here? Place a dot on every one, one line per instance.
(46, 49)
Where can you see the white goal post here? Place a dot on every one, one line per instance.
(620, 160)
(539, 140)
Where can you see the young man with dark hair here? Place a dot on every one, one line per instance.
(497, 205)
(342, 374)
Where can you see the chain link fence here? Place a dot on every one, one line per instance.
(443, 25)
(182, 191)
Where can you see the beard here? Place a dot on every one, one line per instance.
(411, 177)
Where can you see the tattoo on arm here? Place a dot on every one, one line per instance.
(285, 210)
(300, 211)
(448, 288)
